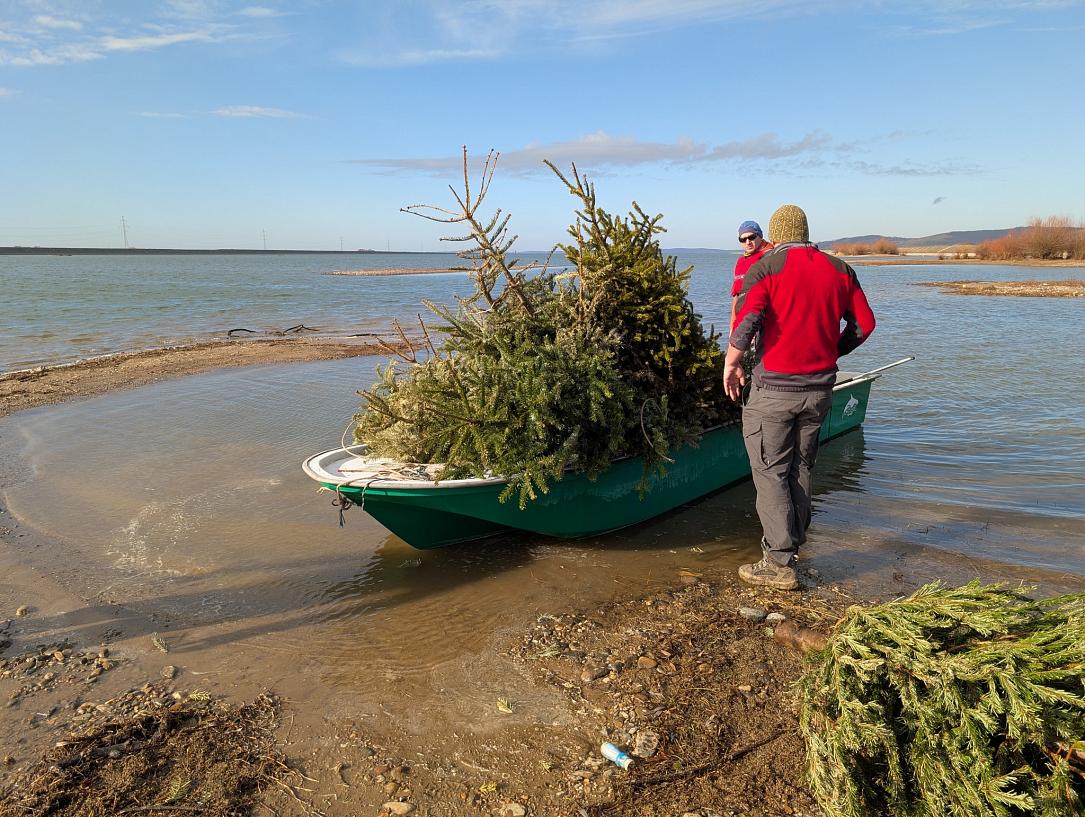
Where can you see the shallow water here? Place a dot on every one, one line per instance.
(57, 309)
(62, 308)
(184, 501)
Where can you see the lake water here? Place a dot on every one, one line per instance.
(184, 500)
(58, 309)
(63, 308)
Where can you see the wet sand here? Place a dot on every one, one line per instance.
(47, 385)
(676, 669)
(526, 740)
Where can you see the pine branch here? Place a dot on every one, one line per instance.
(952, 701)
(542, 371)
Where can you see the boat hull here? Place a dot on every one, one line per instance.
(428, 515)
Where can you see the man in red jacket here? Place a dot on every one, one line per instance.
(753, 244)
(796, 296)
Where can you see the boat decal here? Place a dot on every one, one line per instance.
(850, 406)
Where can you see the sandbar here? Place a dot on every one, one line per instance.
(47, 385)
(1022, 289)
(392, 271)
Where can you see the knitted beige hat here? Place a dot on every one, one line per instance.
(788, 224)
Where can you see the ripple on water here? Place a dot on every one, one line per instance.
(186, 498)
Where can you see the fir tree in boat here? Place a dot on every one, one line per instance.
(566, 400)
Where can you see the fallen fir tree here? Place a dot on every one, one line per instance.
(964, 701)
(546, 368)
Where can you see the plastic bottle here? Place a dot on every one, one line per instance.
(620, 758)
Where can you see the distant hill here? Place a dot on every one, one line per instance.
(936, 240)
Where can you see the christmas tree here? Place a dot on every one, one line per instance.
(545, 368)
(955, 702)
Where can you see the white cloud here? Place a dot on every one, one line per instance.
(611, 13)
(190, 9)
(147, 42)
(255, 111)
(435, 31)
(595, 149)
(45, 21)
(60, 55)
(395, 34)
(6, 91)
(407, 58)
(600, 150)
(56, 39)
(945, 168)
(769, 146)
(259, 11)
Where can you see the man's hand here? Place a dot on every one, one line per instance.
(734, 378)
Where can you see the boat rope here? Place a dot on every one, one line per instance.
(347, 430)
(344, 503)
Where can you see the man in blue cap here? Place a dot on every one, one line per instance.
(754, 245)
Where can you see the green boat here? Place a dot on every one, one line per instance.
(428, 514)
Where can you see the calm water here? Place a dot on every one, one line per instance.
(184, 500)
(58, 309)
(62, 308)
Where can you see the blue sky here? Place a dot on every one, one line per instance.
(213, 124)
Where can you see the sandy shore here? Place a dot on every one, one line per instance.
(54, 384)
(685, 674)
(680, 672)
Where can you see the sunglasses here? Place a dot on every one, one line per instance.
(742, 239)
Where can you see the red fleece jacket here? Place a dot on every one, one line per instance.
(796, 296)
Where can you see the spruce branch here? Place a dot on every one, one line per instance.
(959, 701)
(543, 370)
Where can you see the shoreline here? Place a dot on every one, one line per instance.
(650, 666)
(683, 670)
(48, 385)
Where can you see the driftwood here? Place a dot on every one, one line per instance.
(296, 328)
(797, 637)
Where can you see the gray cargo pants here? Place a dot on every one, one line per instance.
(781, 432)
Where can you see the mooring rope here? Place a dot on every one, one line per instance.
(343, 502)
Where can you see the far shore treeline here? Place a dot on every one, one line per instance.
(1045, 239)
(1054, 238)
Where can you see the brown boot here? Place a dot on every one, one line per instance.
(769, 574)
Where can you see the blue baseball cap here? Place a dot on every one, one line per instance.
(750, 227)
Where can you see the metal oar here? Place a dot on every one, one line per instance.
(876, 371)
